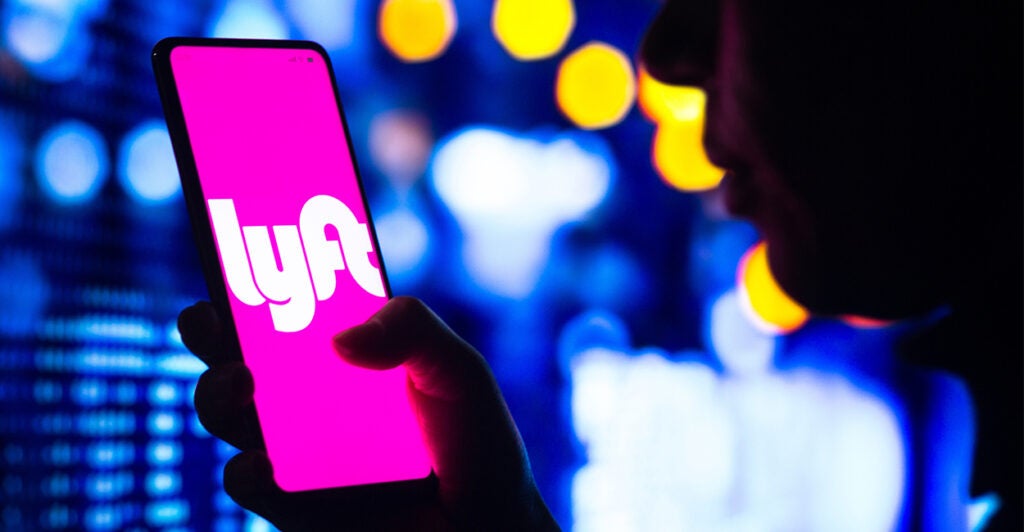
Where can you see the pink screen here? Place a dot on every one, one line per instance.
(299, 266)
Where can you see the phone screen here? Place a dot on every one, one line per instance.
(298, 260)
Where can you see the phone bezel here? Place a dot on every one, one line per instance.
(203, 233)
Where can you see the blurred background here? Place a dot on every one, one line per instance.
(534, 186)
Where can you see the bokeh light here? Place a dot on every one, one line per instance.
(533, 29)
(72, 162)
(51, 38)
(671, 444)
(677, 151)
(400, 145)
(595, 86)
(662, 102)
(331, 23)
(510, 192)
(417, 30)
(405, 245)
(26, 291)
(12, 148)
(678, 156)
(146, 167)
(767, 305)
(248, 19)
(741, 347)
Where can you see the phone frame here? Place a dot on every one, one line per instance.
(203, 233)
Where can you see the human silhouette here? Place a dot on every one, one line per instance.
(875, 145)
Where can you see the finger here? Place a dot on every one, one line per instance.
(406, 331)
(202, 332)
(223, 400)
(477, 453)
(248, 480)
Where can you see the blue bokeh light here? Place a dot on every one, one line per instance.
(72, 163)
(164, 453)
(106, 516)
(59, 516)
(89, 392)
(47, 392)
(61, 453)
(162, 483)
(332, 23)
(25, 290)
(11, 155)
(251, 19)
(167, 513)
(164, 423)
(165, 393)
(51, 38)
(146, 167)
(107, 486)
(109, 454)
(405, 245)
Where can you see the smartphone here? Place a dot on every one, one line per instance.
(289, 253)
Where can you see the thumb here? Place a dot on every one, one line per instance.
(405, 331)
(482, 468)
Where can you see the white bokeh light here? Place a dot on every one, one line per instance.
(739, 344)
(509, 194)
(673, 445)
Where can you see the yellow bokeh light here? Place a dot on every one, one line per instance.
(533, 29)
(768, 306)
(416, 30)
(595, 86)
(662, 103)
(678, 156)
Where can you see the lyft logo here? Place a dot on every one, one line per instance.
(309, 259)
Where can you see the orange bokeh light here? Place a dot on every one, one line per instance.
(768, 306)
(678, 156)
(661, 102)
(677, 151)
(416, 30)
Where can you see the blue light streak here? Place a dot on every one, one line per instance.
(119, 362)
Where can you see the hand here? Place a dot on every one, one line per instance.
(483, 473)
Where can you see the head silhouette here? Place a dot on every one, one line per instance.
(876, 146)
